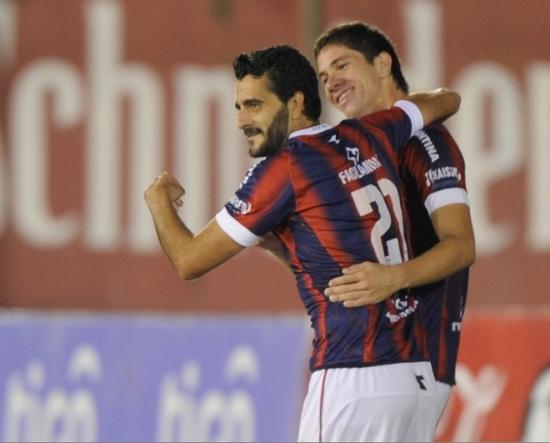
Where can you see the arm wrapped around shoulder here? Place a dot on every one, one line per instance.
(437, 104)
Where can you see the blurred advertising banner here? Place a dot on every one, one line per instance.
(228, 378)
(151, 378)
(93, 109)
(503, 379)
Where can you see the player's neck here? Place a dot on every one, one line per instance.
(385, 99)
(398, 94)
(390, 95)
(302, 122)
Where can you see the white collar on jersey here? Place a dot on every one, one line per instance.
(310, 130)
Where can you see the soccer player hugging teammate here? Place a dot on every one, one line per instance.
(360, 73)
(331, 196)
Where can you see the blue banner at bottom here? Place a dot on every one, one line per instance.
(73, 377)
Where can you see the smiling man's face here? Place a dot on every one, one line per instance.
(349, 81)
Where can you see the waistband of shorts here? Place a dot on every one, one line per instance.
(366, 365)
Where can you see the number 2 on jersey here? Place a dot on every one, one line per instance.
(363, 199)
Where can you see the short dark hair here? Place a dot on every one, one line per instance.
(366, 39)
(288, 72)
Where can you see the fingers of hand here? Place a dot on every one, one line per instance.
(353, 299)
(350, 270)
(165, 186)
(357, 302)
(347, 292)
(174, 188)
(160, 181)
(365, 266)
(344, 280)
(342, 289)
(163, 178)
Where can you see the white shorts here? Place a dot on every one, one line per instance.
(443, 392)
(394, 402)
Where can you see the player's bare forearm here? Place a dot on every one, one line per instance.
(174, 237)
(444, 259)
(190, 255)
(364, 284)
(437, 104)
(455, 250)
(368, 283)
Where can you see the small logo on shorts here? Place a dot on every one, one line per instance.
(420, 381)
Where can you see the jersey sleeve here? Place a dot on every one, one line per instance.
(433, 164)
(397, 124)
(263, 200)
(413, 112)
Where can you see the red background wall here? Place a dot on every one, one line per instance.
(489, 50)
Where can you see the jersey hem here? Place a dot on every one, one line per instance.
(366, 365)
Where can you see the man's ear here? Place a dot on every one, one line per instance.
(382, 63)
(296, 105)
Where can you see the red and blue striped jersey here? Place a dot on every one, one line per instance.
(433, 171)
(333, 199)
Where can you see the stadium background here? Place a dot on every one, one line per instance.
(98, 96)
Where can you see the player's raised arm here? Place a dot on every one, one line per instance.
(437, 104)
(190, 255)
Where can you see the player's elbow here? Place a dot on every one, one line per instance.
(463, 250)
(190, 276)
(449, 100)
(455, 101)
(455, 104)
(187, 270)
(452, 101)
(468, 250)
(470, 255)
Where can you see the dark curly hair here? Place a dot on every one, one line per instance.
(366, 39)
(288, 71)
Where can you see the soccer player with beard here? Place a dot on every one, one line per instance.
(331, 196)
(360, 73)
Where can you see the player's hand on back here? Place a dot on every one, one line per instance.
(363, 284)
(165, 188)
